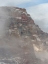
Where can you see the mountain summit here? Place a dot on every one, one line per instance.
(22, 42)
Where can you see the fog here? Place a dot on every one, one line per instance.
(13, 50)
(4, 21)
(16, 50)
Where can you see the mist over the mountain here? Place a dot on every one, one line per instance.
(21, 39)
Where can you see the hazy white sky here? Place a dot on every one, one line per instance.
(38, 10)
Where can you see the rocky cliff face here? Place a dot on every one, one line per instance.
(20, 24)
(25, 42)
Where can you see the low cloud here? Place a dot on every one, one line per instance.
(40, 15)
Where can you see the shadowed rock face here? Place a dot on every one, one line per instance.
(21, 40)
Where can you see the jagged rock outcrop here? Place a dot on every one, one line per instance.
(24, 42)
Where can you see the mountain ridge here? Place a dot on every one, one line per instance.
(25, 39)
